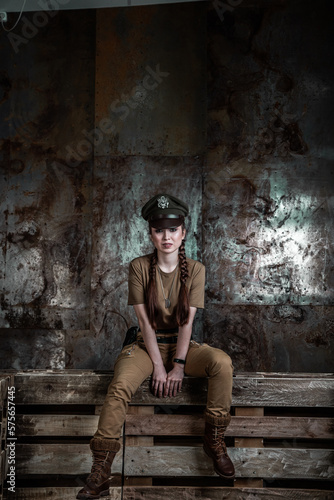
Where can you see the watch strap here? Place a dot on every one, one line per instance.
(179, 361)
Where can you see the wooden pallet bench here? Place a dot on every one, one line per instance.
(280, 438)
(5, 383)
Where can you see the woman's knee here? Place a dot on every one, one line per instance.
(120, 390)
(221, 362)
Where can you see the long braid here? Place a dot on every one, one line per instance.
(152, 302)
(182, 310)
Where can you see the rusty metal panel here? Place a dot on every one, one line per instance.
(269, 81)
(267, 238)
(45, 259)
(32, 349)
(47, 83)
(47, 87)
(282, 338)
(260, 187)
(268, 191)
(151, 80)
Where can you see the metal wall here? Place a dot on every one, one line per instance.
(227, 105)
(268, 193)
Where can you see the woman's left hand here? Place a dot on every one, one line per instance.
(174, 380)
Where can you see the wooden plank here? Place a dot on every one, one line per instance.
(139, 411)
(178, 425)
(144, 439)
(282, 427)
(249, 462)
(269, 427)
(249, 412)
(177, 493)
(249, 442)
(248, 389)
(3, 471)
(253, 390)
(56, 425)
(289, 391)
(115, 493)
(58, 459)
(254, 441)
(216, 493)
(3, 467)
(178, 461)
(4, 384)
(50, 388)
(3, 432)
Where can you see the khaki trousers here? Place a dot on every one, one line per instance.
(134, 365)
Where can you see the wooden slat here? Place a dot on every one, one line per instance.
(58, 494)
(177, 493)
(290, 391)
(56, 425)
(248, 462)
(139, 412)
(3, 429)
(178, 425)
(3, 432)
(4, 384)
(56, 388)
(58, 459)
(269, 427)
(3, 472)
(178, 461)
(165, 425)
(248, 389)
(249, 442)
(3, 467)
(181, 493)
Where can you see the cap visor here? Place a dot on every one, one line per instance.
(166, 223)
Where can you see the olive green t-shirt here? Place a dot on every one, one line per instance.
(138, 283)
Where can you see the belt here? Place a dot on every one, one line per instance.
(168, 330)
(166, 340)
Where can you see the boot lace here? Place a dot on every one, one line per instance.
(98, 467)
(218, 440)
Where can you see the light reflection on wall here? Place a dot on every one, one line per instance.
(277, 254)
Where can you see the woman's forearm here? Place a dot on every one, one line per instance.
(184, 336)
(151, 344)
(148, 334)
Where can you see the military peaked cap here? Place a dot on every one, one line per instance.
(165, 211)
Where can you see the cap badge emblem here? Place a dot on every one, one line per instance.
(163, 202)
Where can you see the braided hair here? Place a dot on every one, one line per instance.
(152, 301)
(182, 308)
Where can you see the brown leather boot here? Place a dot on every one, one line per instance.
(98, 481)
(215, 447)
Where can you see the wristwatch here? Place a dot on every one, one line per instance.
(179, 361)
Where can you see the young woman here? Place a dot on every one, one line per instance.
(165, 289)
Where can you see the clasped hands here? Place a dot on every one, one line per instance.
(167, 384)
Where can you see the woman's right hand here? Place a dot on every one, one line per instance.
(159, 378)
